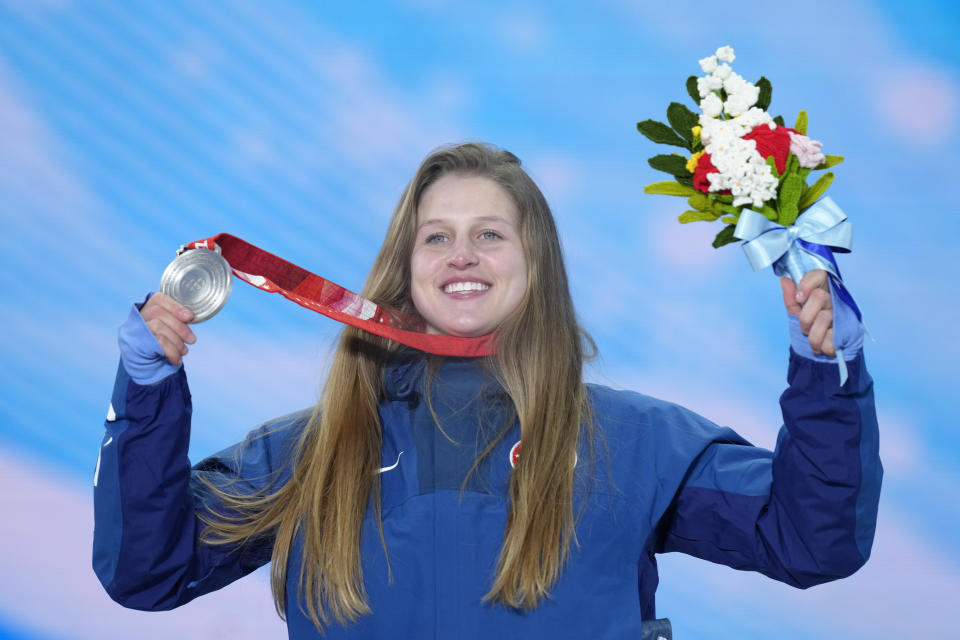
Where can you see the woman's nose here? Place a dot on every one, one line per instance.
(463, 254)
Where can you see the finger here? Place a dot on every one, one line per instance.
(818, 333)
(180, 328)
(171, 351)
(790, 296)
(819, 301)
(821, 298)
(813, 280)
(170, 305)
(161, 315)
(166, 336)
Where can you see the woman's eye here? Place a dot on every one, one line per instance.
(490, 235)
(435, 237)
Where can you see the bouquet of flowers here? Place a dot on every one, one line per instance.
(746, 168)
(749, 170)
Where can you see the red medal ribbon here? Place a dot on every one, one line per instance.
(273, 274)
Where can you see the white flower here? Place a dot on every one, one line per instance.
(702, 87)
(734, 83)
(741, 95)
(750, 94)
(754, 117)
(708, 84)
(711, 105)
(736, 105)
(725, 54)
(741, 101)
(739, 166)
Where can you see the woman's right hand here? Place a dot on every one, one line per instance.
(167, 319)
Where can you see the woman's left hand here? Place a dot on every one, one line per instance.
(812, 304)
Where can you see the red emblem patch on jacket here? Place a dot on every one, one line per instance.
(515, 454)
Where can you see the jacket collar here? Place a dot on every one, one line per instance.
(406, 375)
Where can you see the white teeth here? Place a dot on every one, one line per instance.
(455, 287)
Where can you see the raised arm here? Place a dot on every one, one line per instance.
(805, 513)
(146, 550)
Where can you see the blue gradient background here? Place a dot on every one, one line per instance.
(127, 129)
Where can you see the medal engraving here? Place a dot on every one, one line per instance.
(200, 280)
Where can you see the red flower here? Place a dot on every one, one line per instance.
(704, 167)
(772, 143)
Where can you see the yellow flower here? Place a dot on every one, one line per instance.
(692, 162)
(696, 131)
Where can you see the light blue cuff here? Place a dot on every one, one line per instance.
(847, 333)
(141, 354)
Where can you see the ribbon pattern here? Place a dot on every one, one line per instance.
(805, 245)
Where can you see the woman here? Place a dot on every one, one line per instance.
(403, 506)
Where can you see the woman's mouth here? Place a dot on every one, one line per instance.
(464, 287)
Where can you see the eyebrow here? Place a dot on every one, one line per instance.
(479, 218)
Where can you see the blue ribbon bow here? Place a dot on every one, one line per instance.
(805, 245)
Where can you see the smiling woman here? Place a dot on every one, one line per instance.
(403, 505)
(468, 269)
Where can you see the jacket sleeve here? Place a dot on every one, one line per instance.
(146, 547)
(803, 514)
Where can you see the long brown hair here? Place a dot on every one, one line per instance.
(538, 363)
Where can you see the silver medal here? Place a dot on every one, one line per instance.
(200, 280)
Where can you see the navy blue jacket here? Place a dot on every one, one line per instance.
(664, 479)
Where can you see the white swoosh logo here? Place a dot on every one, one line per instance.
(393, 466)
(96, 472)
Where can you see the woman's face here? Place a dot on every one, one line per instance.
(468, 267)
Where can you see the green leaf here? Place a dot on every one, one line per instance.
(780, 121)
(692, 89)
(831, 161)
(801, 126)
(773, 166)
(660, 133)
(720, 208)
(670, 188)
(766, 93)
(700, 202)
(725, 237)
(816, 190)
(682, 120)
(686, 180)
(695, 216)
(789, 198)
(768, 212)
(674, 164)
(725, 198)
(793, 165)
(730, 219)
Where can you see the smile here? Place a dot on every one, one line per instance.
(457, 287)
